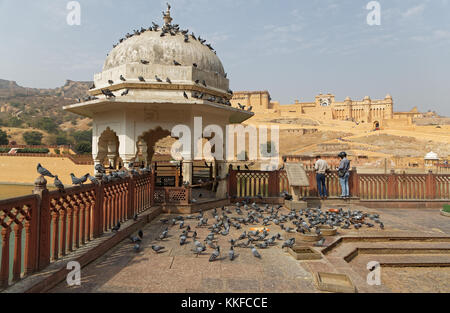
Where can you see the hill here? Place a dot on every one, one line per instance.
(41, 109)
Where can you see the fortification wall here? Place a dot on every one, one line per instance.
(22, 169)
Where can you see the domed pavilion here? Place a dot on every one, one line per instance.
(153, 80)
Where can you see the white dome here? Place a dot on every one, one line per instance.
(431, 156)
(151, 47)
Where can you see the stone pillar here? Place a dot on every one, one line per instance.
(188, 171)
(112, 153)
(222, 171)
(127, 159)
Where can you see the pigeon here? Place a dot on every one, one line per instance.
(231, 253)
(110, 82)
(320, 243)
(381, 225)
(199, 249)
(145, 62)
(215, 255)
(256, 253)
(116, 228)
(185, 95)
(137, 248)
(195, 65)
(93, 180)
(75, 180)
(140, 233)
(163, 235)
(182, 240)
(176, 63)
(125, 92)
(288, 243)
(141, 79)
(135, 239)
(59, 184)
(44, 171)
(122, 78)
(108, 93)
(99, 168)
(157, 249)
(168, 80)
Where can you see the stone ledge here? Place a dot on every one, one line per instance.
(56, 272)
(447, 214)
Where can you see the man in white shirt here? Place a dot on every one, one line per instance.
(321, 167)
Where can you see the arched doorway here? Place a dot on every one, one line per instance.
(108, 149)
(376, 125)
(146, 144)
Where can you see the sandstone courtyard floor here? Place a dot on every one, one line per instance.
(178, 270)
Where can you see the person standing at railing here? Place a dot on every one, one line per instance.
(321, 167)
(344, 174)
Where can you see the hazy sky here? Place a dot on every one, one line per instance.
(293, 48)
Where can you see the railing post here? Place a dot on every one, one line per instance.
(232, 184)
(312, 183)
(98, 211)
(130, 200)
(43, 223)
(430, 185)
(274, 183)
(354, 183)
(392, 188)
(152, 187)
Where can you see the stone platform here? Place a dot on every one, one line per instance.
(178, 270)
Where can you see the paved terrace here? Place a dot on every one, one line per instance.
(177, 270)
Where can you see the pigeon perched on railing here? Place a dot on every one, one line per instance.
(44, 172)
(75, 180)
(100, 169)
(58, 184)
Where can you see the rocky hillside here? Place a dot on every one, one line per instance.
(29, 104)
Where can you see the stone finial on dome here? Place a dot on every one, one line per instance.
(166, 15)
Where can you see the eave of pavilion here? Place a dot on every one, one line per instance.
(93, 107)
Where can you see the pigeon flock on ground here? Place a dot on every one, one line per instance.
(242, 215)
(165, 31)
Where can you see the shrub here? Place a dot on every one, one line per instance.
(47, 124)
(15, 122)
(62, 140)
(4, 150)
(57, 151)
(83, 148)
(32, 138)
(3, 138)
(83, 136)
(33, 150)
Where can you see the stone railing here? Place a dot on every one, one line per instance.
(364, 186)
(41, 228)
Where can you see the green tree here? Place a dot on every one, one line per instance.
(15, 122)
(62, 140)
(83, 148)
(32, 138)
(83, 136)
(3, 138)
(47, 124)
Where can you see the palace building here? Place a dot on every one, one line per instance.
(326, 107)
